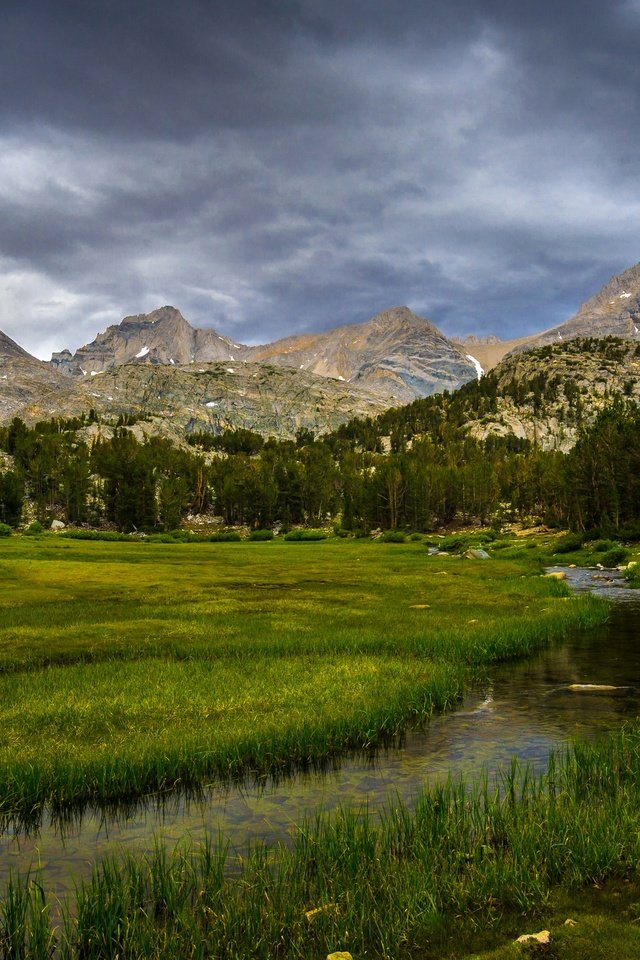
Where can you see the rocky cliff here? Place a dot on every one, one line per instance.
(212, 397)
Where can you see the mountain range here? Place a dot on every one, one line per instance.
(185, 379)
(395, 354)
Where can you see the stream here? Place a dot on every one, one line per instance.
(522, 710)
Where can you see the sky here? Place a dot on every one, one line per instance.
(277, 167)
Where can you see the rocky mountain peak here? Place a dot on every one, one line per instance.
(625, 287)
(396, 353)
(398, 317)
(167, 315)
(162, 336)
(9, 348)
(613, 312)
(22, 378)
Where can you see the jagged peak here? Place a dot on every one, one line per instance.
(621, 290)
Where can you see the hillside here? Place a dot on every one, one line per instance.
(542, 395)
(213, 397)
(24, 380)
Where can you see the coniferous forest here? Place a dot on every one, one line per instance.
(412, 468)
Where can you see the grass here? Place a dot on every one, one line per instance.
(462, 874)
(563, 549)
(598, 922)
(129, 667)
(132, 667)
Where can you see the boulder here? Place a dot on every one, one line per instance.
(477, 554)
(57, 525)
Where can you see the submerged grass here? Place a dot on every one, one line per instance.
(127, 668)
(461, 867)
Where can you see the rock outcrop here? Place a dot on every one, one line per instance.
(547, 394)
(24, 380)
(178, 400)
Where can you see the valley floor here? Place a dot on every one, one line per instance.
(132, 667)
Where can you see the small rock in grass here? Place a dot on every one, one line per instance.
(543, 937)
(570, 923)
(419, 606)
(340, 955)
(557, 575)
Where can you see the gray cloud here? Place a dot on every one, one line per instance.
(271, 168)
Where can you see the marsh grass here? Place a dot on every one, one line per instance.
(127, 668)
(404, 883)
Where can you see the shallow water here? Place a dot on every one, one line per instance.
(522, 710)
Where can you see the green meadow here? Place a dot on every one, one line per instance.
(130, 667)
(133, 667)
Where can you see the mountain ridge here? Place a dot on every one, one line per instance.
(325, 378)
(395, 353)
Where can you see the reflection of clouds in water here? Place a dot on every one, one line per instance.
(487, 705)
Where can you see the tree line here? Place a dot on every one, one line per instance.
(413, 468)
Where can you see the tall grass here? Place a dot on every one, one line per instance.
(399, 884)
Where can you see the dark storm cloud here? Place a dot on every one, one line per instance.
(279, 167)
